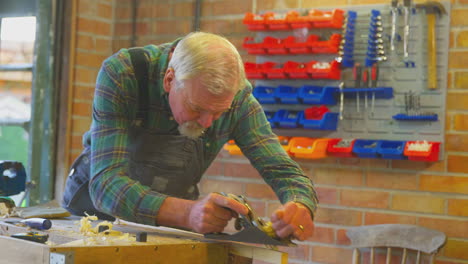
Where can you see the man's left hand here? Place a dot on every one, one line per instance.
(293, 219)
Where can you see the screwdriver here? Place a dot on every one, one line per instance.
(374, 77)
(36, 223)
(357, 71)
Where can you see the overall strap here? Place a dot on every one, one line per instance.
(140, 66)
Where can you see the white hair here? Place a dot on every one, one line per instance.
(211, 58)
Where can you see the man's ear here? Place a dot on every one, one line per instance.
(169, 77)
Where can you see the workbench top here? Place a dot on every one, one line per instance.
(67, 245)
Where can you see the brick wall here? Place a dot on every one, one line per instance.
(352, 191)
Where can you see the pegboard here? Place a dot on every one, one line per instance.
(408, 78)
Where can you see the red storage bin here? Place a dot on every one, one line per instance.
(296, 70)
(326, 19)
(324, 70)
(295, 20)
(277, 22)
(334, 149)
(274, 46)
(253, 47)
(257, 71)
(328, 46)
(232, 148)
(295, 47)
(431, 154)
(256, 22)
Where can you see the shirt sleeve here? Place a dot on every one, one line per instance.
(260, 145)
(111, 189)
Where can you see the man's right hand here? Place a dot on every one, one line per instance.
(211, 214)
(208, 215)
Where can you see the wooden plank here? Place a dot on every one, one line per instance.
(148, 254)
(259, 253)
(13, 250)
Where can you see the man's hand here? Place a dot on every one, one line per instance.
(211, 214)
(293, 219)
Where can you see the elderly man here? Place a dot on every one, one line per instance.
(161, 114)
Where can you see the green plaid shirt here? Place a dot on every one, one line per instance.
(114, 112)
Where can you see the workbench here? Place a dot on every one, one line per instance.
(66, 245)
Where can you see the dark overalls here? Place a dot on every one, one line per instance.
(168, 164)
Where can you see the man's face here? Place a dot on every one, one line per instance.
(194, 108)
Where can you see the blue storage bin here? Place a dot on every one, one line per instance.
(286, 94)
(404, 117)
(389, 149)
(328, 122)
(365, 148)
(265, 94)
(286, 118)
(317, 95)
(270, 115)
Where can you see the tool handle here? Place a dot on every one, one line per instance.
(357, 72)
(374, 74)
(365, 78)
(432, 52)
(38, 223)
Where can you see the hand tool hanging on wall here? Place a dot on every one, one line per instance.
(432, 9)
(341, 86)
(357, 72)
(365, 84)
(394, 12)
(407, 11)
(374, 76)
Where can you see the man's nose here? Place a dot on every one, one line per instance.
(206, 119)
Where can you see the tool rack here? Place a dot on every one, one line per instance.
(305, 78)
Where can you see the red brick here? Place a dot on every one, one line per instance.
(436, 183)
(457, 249)
(240, 170)
(261, 191)
(418, 203)
(104, 46)
(374, 163)
(452, 228)
(462, 39)
(144, 10)
(338, 216)
(215, 169)
(85, 75)
(122, 13)
(318, 4)
(123, 29)
(457, 101)
(327, 195)
(162, 9)
(458, 17)
(183, 9)
(458, 207)
(391, 180)
(80, 125)
(461, 80)
(418, 165)
(85, 42)
(337, 177)
(173, 27)
(458, 59)
(277, 5)
(118, 44)
(460, 122)
(323, 235)
(272, 206)
(235, 7)
(218, 26)
(361, 198)
(83, 92)
(81, 109)
(210, 185)
(457, 163)
(372, 218)
(104, 11)
(331, 255)
(456, 142)
(76, 142)
(86, 7)
(93, 26)
(342, 238)
(89, 59)
(259, 207)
